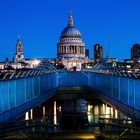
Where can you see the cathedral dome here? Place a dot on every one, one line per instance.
(70, 31)
(71, 44)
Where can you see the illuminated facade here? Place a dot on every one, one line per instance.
(19, 56)
(71, 49)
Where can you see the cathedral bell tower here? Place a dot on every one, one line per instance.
(19, 56)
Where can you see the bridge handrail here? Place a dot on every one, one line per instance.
(114, 72)
(29, 73)
(20, 125)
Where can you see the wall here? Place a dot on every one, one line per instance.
(19, 95)
(123, 89)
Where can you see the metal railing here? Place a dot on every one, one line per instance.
(118, 128)
(20, 125)
(29, 73)
(115, 72)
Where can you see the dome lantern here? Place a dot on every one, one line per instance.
(70, 30)
(70, 21)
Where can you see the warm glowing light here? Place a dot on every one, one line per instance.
(83, 136)
(55, 113)
(36, 62)
(112, 113)
(107, 112)
(44, 111)
(27, 116)
(31, 111)
(96, 110)
(116, 114)
(103, 109)
(87, 136)
(129, 120)
(89, 113)
(90, 109)
(74, 64)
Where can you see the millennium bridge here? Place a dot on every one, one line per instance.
(24, 90)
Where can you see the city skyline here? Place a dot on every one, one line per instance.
(40, 23)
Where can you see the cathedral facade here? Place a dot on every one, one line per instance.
(19, 56)
(71, 48)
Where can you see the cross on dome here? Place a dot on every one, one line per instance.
(70, 21)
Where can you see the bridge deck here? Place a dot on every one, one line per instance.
(17, 95)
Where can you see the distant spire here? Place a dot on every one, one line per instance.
(108, 51)
(19, 45)
(70, 22)
(18, 38)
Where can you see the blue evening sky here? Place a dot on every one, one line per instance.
(40, 23)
